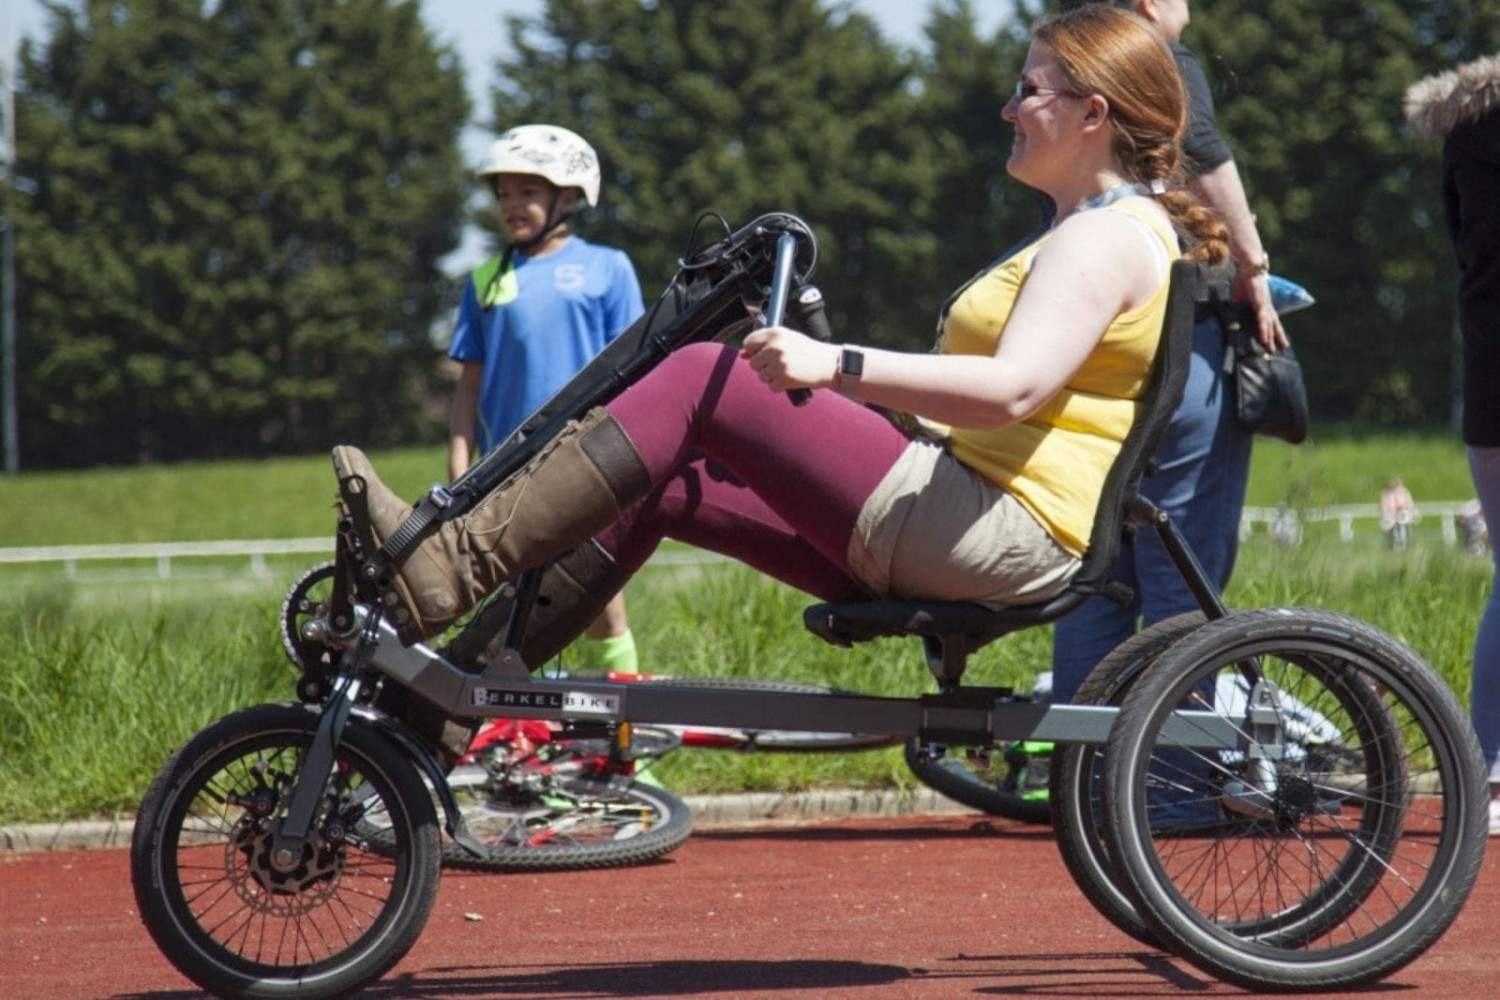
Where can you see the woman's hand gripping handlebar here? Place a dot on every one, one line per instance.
(781, 356)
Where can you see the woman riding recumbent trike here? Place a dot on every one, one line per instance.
(1273, 851)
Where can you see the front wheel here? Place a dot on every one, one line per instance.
(241, 922)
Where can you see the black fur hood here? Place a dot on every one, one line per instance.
(1439, 104)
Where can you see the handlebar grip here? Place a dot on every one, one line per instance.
(806, 307)
(807, 315)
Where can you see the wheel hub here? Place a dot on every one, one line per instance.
(1296, 799)
(302, 880)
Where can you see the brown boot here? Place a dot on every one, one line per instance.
(577, 485)
(571, 594)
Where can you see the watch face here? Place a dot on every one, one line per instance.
(852, 363)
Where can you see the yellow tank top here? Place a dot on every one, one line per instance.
(1056, 460)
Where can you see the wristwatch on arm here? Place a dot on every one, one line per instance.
(851, 369)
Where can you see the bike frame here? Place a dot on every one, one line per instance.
(967, 716)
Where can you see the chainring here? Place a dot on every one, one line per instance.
(309, 598)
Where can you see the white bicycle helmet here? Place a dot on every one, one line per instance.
(549, 151)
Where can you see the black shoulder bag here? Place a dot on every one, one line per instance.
(1269, 395)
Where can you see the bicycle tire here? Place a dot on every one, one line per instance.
(1369, 748)
(1302, 895)
(1078, 784)
(988, 783)
(226, 917)
(576, 823)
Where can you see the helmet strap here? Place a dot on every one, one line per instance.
(554, 220)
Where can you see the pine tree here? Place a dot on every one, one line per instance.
(1309, 93)
(739, 107)
(232, 245)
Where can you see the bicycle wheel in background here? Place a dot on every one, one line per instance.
(1010, 781)
(556, 811)
(1341, 835)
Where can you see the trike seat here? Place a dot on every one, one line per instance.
(953, 629)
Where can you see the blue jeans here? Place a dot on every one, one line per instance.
(1484, 695)
(1203, 467)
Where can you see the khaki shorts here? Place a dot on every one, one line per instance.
(935, 529)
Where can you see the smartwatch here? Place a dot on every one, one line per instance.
(851, 368)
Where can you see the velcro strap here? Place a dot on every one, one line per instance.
(428, 511)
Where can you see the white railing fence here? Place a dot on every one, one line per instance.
(1349, 515)
(166, 555)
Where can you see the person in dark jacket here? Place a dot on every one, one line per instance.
(1462, 109)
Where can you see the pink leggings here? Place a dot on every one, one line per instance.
(741, 471)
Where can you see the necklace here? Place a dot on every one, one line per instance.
(1117, 192)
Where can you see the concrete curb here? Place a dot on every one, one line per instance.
(754, 808)
(67, 835)
(709, 811)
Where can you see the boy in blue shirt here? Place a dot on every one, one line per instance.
(535, 315)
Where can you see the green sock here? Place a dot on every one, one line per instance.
(617, 653)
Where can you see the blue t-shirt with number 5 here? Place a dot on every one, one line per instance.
(536, 325)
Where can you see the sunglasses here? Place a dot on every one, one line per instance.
(1025, 89)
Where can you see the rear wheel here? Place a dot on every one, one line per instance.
(1340, 834)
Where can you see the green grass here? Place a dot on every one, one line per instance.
(1342, 465)
(99, 681)
(92, 701)
(200, 501)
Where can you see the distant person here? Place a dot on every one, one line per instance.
(1203, 461)
(1462, 108)
(1473, 530)
(530, 319)
(1285, 527)
(1398, 512)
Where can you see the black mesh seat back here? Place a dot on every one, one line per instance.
(1164, 394)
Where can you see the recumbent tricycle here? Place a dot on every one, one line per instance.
(293, 850)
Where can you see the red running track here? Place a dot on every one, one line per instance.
(871, 909)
